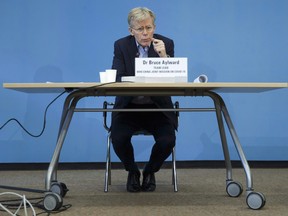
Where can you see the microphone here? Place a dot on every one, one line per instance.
(201, 79)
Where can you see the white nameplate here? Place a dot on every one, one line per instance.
(161, 69)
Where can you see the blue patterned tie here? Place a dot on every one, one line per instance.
(143, 52)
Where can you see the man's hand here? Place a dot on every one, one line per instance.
(159, 47)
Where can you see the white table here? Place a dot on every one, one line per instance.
(77, 91)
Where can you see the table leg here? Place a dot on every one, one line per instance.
(218, 109)
(67, 114)
(238, 146)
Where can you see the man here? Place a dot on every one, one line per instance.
(142, 42)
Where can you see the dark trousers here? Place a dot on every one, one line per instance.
(125, 124)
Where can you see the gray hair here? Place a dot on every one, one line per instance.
(139, 14)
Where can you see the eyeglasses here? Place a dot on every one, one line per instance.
(141, 29)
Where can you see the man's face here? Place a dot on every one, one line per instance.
(143, 31)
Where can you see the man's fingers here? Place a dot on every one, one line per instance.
(158, 45)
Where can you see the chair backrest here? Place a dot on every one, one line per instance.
(105, 106)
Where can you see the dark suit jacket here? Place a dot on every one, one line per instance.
(125, 52)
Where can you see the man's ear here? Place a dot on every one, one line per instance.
(131, 31)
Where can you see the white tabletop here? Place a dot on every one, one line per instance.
(173, 88)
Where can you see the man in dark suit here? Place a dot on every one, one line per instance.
(142, 42)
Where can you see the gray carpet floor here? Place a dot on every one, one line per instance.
(202, 192)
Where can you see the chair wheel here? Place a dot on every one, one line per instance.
(255, 200)
(52, 201)
(234, 189)
(59, 188)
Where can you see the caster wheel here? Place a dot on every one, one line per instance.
(255, 200)
(59, 188)
(234, 189)
(52, 201)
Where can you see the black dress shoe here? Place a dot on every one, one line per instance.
(133, 182)
(149, 182)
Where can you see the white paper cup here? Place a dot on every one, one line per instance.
(111, 75)
(103, 77)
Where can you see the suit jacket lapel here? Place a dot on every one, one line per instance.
(132, 50)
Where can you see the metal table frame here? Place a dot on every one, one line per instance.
(234, 189)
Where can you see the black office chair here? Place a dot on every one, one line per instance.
(142, 132)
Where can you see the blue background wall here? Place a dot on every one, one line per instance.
(72, 40)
